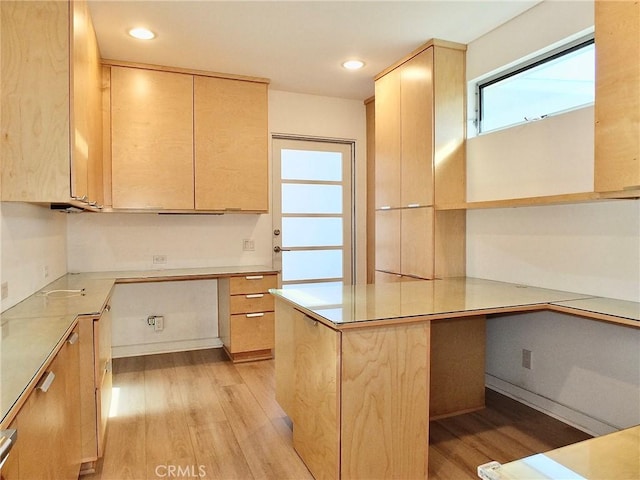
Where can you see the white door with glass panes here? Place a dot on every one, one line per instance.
(312, 212)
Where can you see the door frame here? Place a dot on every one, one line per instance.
(349, 258)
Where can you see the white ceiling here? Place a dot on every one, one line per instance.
(299, 45)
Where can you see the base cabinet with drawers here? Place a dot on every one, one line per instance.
(246, 316)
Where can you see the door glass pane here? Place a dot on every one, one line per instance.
(311, 264)
(330, 290)
(309, 165)
(305, 198)
(311, 232)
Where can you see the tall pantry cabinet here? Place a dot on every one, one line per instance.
(420, 165)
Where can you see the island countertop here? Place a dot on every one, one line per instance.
(349, 306)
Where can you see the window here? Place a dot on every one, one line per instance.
(561, 80)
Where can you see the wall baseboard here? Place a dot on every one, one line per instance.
(123, 351)
(565, 414)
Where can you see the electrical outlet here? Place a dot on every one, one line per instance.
(158, 326)
(159, 259)
(5, 290)
(45, 271)
(526, 358)
(248, 245)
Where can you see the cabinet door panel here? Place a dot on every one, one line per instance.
(388, 143)
(49, 422)
(152, 139)
(250, 333)
(416, 106)
(316, 435)
(231, 145)
(35, 101)
(416, 249)
(617, 104)
(388, 240)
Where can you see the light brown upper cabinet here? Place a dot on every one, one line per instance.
(230, 145)
(420, 162)
(187, 141)
(617, 104)
(387, 142)
(151, 139)
(50, 98)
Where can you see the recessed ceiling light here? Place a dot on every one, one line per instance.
(142, 33)
(353, 64)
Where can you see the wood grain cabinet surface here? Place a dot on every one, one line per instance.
(419, 163)
(185, 141)
(230, 145)
(617, 101)
(95, 384)
(246, 316)
(48, 423)
(358, 398)
(51, 103)
(151, 139)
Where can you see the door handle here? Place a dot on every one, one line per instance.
(278, 249)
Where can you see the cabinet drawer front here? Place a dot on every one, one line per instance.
(252, 284)
(252, 333)
(251, 302)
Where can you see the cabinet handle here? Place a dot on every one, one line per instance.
(7, 439)
(46, 381)
(254, 295)
(252, 315)
(413, 205)
(254, 277)
(385, 207)
(73, 338)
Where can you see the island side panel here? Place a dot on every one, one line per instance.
(284, 355)
(457, 366)
(385, 401)
(316, 408)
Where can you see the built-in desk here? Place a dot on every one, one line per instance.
(359, 368)
(613, 456)
(33, 330)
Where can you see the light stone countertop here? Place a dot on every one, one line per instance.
(347, 306)
(32, 330)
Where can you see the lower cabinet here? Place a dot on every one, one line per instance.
(10, 469)
(95, 387)
(245, 316)
(358, 398)
(48, 424)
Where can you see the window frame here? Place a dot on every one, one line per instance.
(529, 64)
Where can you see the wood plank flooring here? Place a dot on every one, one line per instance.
(195, 414)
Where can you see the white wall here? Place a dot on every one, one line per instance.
(585, 372)
(33, 238)
(98, 242)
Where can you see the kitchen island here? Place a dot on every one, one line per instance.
(360, 370)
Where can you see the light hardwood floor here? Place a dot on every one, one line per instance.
(190, 414)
